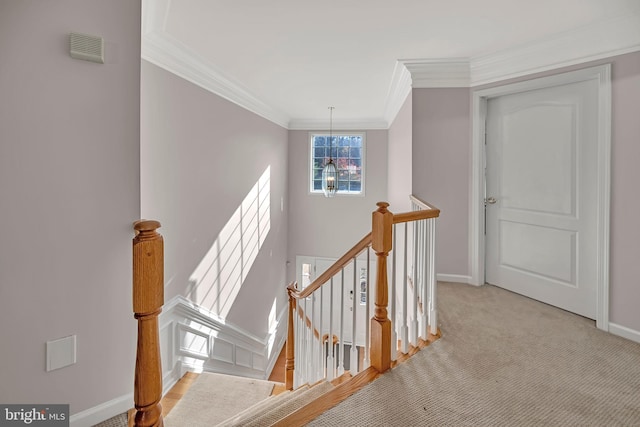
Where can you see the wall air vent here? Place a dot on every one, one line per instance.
(86, 47)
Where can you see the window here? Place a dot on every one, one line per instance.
(347, 152)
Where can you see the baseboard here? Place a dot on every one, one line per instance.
(455, 278)
(624, 332)
(101, 412)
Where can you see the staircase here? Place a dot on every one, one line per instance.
(300, 406)
(276, 408)
(331, 353)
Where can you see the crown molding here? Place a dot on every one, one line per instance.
(339, 125)
(159, 48)
(434, 73)
(178, 59)
(604, 39)
(399, 89)
(609, 38)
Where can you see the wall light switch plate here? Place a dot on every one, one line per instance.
(61, 352)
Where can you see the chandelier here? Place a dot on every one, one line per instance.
(330, 171)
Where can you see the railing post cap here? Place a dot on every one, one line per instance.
(382, 206)
(146, 225)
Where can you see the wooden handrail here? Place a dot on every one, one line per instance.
(290, 345)
(302, 315)
(421, 203)
(331, 271)
(380, 239)
(148, 299)
(415, 215)
(428, 212)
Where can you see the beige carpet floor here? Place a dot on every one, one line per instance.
(213, 398)
(117, 421)
(504, 360)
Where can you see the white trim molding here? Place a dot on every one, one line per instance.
(434, 73)
(194, 339)
(454, 278)
(340, 124)
(624, 332)
(99, 413)
(399, 89)
(249, 356)
(599, 40)
(159, 48)
(600, 73)
(615, 36)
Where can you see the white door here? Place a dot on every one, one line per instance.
(541, 195)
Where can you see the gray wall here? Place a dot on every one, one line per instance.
(69, 192)
(441, 156)
(441, 169)
(324, 227)
(201, 155)
(400, 154)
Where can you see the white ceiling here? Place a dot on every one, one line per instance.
(288, 60)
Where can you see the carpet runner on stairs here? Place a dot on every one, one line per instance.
(227, 401)
(213, 398)
(278, 407)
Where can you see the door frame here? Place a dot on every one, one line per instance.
(602, 74)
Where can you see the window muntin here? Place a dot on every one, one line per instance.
(347, 152)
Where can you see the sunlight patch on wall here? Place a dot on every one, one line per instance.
(216, 281)
(273, 326)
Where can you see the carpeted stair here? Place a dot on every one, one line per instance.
(273, 409)
(213, 398)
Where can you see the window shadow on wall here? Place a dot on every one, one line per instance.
(216, 281)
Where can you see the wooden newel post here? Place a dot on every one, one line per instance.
(290, 361)
(148, 298)
(381, 242)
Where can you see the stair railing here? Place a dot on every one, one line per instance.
(413, 282)
(148, 299)
(369, 341)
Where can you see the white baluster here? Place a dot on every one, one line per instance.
(404, 329)
(331, 364)
(393, 296)
(314, 346)
(424, 290)
(367, 317)
(305, 339)
(323, 359)
(433, 308)
(353, 358)
(414, 293)
(341, 330)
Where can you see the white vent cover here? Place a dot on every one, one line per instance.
(86, 47)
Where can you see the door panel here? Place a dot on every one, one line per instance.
(534, 258)
(528, 153)
(541, 152)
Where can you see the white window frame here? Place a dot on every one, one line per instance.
(363, 156)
